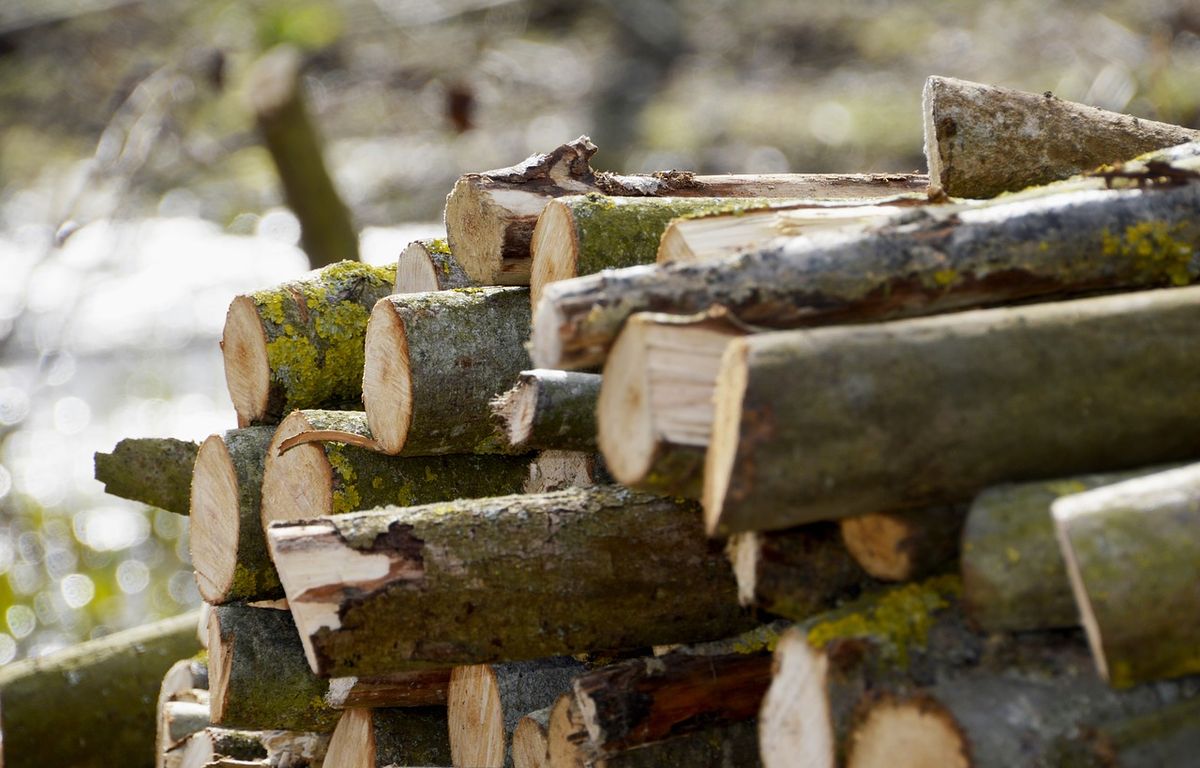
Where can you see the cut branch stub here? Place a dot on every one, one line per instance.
(155, 471)
(550, 409)
(428, 265)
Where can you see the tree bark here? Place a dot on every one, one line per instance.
(435, 361)
(953, 404)
(153, 470)
(903, 546)
(982, 140)
(276, 95)
(300, 344)
(550, 409)
(1014, 576)
(91, 705)
(1056, 242)
(428, 265)
(1166, 736)
(1133, 558)
(374, 738)
(422, 688)
(488, 700)
(398, 588)
(554, 470)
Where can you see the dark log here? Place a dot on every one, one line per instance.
(550, 409)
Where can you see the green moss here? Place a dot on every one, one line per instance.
(1159, 250)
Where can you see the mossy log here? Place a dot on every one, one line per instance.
(91, 705)
(153, 470)
(1166, 736)
(654, 414)
(530, 741)
(490, 216)
(226, 543)
(1133, 558)
(401, 588)
(374, 738)
(300, 344)
(795, 573)
(981, 140)
(488, 700)
(428, 265)
(276, 95)
(1067, 240)
(1014, 577)
(907, 545)
(435, 362)
(554, 470)
(550, 409)
(953, 403)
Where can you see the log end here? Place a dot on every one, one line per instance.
(247, 370)
(415, 270)
(910, 733)
(673, 246)
(933, 147)
(530, 744)
(475, 231)
(554, 249)
(220, 665)
(353, 741)
(795, 726)
(387, 379)
(475, 716)
(298, 482)
(625, 418)
(215, 515)
(517, 408)
(545, 340)
(743, 551)
(726, 431)
(876, 542)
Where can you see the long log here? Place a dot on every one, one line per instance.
(487, 701)
(153, 470)
(374, 738)
(1133, 558)
(1070, 239)
(953, 403)
(428, 265)
(435, 361)
(1014, 577)
(490, 216)
(903, 546)
(93, 704)
(421, 688)
(550, 409)
(300, 344)
(981, 140)
(400, 588)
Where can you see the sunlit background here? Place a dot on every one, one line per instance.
(135, 201)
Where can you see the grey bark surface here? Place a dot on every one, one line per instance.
(153, 470)
(551, 409)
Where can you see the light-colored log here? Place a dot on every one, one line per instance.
(550, 409)
(428, 265)
(375, 738)
(555, 470)
(952, 404)
(902, 546)
(181, 710)
(530, 742)
(153, 470)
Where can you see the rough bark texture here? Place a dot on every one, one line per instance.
(277, 97)
(1134, 560)
(423, 688)
(258, 677)
(795, 573)
(1014, 577)
(982, 140)
(374, 738)
(954, 404)
(300, 344)
(435, 361)
(902, 546)
(1071, 239)
(557, 573)
(428, 265)
(91, 705)
(153, 470)
(226, 543)
(550, 409)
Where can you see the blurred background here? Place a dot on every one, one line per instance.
(136, 200)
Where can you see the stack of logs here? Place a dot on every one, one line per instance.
(682, 470)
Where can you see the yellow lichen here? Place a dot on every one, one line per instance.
(944, 277)
(439, 245)
(1158, 250)
(345, 495)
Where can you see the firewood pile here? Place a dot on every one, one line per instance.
(678, 470)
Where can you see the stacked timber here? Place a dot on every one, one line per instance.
(681, 470)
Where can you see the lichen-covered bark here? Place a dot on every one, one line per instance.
(153, 470)
(429, 265)
(1134, 560)
(410, 736)
(982, 140)
(556, 573)
(1014, 577)
(952, 404)
(558, 413)
(1047, 244)
(91, 705)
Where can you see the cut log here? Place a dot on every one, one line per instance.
(1133, 558)
(185, 684)
(180, 719)
(230, 748)
(435, 361)
(530, 741)
(226, 543)
(981, 140)
(91, 705)
(954, 403)
(153, 470)
(374, 738)
(300, 344)
(1014, 577)
(654, 415)
(245, 642)
(488, 700)
(555, 470)
(795, 573)
(565, 734)
(276, 95)
(400, 588)
(903, 546)
(1077, 238)
(422, 688)
(550, 409)
(428, 265)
